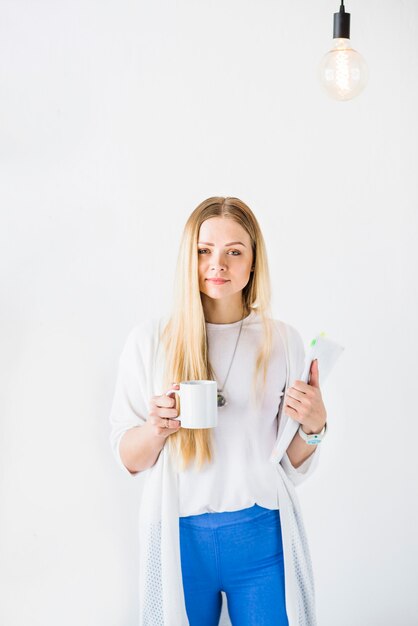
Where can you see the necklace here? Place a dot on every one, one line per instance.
(221, 396)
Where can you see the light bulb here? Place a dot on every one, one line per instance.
(343, 72)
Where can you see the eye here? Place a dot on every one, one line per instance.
(200, 250)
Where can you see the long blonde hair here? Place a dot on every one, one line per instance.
(184, 336)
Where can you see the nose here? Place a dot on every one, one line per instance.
(216, 262)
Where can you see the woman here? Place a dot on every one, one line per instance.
(219, 510)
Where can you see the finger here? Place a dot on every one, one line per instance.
(301, 386)
(163, 401)
(292, 413)
(294, 404)
(167, 413)
(299, 394)
(295, 394)
(314, 377)
(170, 392)
(167, 424)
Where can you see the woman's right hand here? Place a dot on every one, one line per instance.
(161, 408)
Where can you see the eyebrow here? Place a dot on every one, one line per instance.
(231, 243)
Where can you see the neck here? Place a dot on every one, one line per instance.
(215, 313)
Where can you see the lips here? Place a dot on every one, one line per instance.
(217, 281)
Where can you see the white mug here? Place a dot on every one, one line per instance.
(198, 404)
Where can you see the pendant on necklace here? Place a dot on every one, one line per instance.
(221, 399)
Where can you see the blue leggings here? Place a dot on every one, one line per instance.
(240, 553)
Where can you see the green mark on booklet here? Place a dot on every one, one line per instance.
(313, 342)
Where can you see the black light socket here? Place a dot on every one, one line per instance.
(341, 23)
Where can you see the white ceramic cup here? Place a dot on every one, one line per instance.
(197, 404)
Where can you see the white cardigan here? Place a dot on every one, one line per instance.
(161, 596)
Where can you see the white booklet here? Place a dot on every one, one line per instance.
(327, 352)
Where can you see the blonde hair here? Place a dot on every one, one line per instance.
(184, 336)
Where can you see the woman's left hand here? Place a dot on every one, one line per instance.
(303, 402)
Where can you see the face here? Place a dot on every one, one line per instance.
(230, 262)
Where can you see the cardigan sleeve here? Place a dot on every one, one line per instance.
(299, 474)
(129, 407)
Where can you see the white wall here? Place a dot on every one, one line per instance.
(116, 120)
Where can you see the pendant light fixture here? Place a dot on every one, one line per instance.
(343, 72)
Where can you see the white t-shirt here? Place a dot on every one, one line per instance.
(240, 474)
